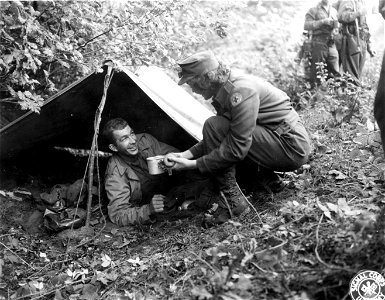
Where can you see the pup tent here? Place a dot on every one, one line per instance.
(149, 100)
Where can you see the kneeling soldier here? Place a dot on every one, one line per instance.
(255, 120)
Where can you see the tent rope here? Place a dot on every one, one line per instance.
(98, 118)
(91, 157)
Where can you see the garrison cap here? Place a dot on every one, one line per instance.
(197, 64)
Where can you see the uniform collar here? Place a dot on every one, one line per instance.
(327, 9)
(123, 166)
(224, 91)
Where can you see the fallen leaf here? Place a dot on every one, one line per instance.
(100, 276)
(248, 256)
(37, 284)
(106, 260)
(12, 258)
(343, 204)
(236, 224)
(243, 283)
(135, 261)
(339, 175)
(324, 209)
(231, 296)
(332, 207)
(1, 267)
(89, 292)
(58, 295)
(369, 125)
(356, 153)
(201, 293)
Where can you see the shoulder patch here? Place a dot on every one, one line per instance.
(236, 98)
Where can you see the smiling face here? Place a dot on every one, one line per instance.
(125, 142)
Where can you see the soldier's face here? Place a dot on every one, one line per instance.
(201, 87)
(125, 142)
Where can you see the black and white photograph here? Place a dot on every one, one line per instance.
(181, 149)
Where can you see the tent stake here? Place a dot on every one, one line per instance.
(98, 118)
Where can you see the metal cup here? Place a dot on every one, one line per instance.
(155, 165)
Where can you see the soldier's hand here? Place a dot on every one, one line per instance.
(157, 204)
(168, 162)
(371, 52)
(183, 163)
(328, 21)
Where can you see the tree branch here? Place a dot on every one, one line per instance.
(32, 267)
(122, 25)
(94, 38)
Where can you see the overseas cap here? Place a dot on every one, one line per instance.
(197, 64)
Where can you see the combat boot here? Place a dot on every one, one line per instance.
(268, 181)
(231, 202)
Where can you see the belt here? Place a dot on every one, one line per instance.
(284, 127)
(321, 38)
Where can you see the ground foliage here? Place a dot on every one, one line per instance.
(312, 238)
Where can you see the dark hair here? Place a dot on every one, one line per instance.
(110, 126)
(216, 78)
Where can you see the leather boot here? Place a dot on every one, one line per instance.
(235, 201)
(268, 181)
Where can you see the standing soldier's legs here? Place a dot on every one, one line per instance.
(333, 60)
(363, 46)
(353, 61)
(319, 53)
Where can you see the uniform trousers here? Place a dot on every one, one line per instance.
(353, 63)
(285, 152)
(322, 52)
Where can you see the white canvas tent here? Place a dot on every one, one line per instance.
(149, 100)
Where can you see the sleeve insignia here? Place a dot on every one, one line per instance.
(235, 99)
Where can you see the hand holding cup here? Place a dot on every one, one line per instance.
(168, 159)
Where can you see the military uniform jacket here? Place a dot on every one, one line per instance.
(347, 14)
(125, 179)
(245, 100)
(314, 17)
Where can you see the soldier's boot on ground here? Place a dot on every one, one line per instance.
(268, 181)
(231, 201)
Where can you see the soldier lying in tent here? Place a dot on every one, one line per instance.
(135, 196)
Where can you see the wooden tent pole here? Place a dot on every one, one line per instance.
(98, 118)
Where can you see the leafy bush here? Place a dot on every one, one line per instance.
(48, 45)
